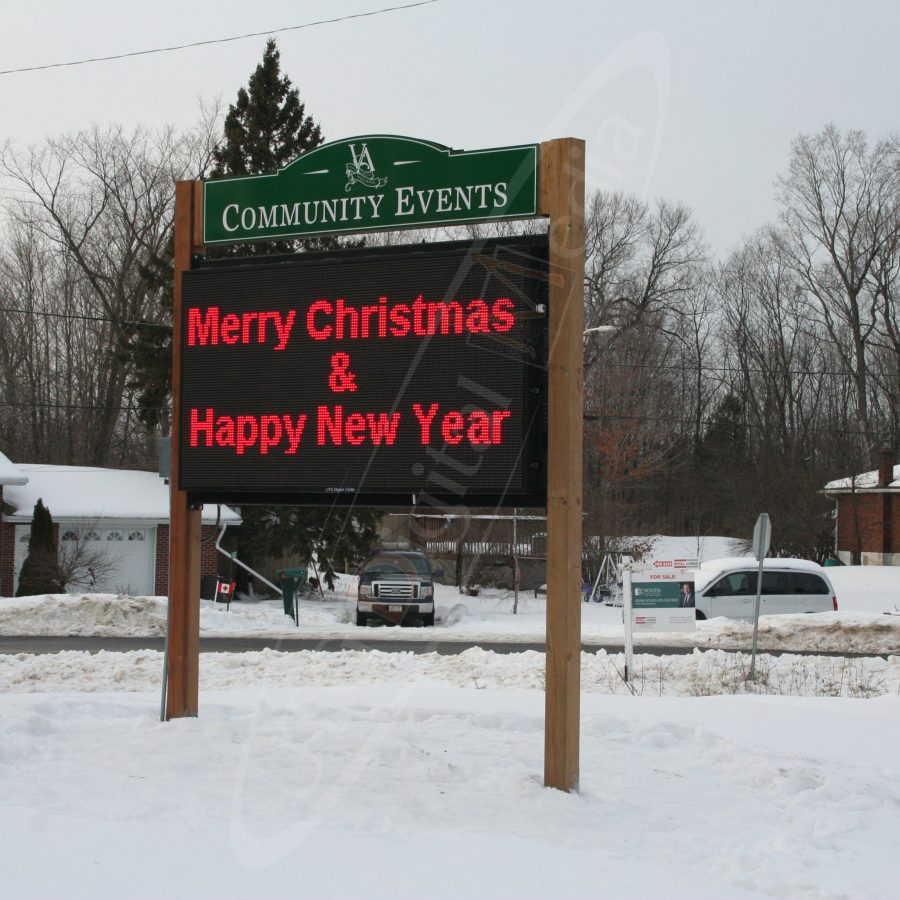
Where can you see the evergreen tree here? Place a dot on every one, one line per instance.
(265, 130)
(334, 538)
(268, 126)
(149, 347)
(722, 469)
(40, 572)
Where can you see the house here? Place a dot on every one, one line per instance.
(117, 517)
(868, 514)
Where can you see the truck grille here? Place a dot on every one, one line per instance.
(395, 590)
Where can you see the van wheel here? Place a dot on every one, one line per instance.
(428, 618)
(699, 615)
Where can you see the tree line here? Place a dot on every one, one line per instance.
(727, 386)
(741, 385)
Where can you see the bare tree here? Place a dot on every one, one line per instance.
(839, 204)
(645, 277)
(83, 560)
(640, 261)
(780, 374)
(99, 204)
(885, 367)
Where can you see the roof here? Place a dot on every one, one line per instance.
(770, 562)
(9, 473)
(86, 493)
(866, 481)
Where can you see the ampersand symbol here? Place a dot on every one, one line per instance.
(341, 379)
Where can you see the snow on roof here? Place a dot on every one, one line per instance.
(83, 492)
(9, 473)
(865, 480)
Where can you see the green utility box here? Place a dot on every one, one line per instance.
(290, 580)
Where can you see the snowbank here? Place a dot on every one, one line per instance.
(488, 616)
(701, 673)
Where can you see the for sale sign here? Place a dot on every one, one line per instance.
(662, 600)
(368, 376)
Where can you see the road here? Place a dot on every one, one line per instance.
(29, 644)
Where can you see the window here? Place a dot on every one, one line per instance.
(92, 536)
(114, 535)
(136, 536)
(777, 583)
(69, 536)
(735, 584)
(808, 583)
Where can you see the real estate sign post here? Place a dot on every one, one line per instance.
(658, 596)
(663, 600)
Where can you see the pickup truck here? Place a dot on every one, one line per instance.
(396, 587)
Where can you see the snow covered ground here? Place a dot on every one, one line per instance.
(864, 595)
(398, 775)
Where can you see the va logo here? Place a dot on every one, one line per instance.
(362, 170)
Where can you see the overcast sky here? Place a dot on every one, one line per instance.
(694, 100)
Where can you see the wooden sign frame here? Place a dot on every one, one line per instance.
(562, 200)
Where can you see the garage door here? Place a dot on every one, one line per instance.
(130, 553)
(114, 559)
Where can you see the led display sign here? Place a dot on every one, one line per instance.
(368, 376)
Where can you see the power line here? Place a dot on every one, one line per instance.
(99, 407)
(722, 370)
(591, 416)
(65, 195)
(239, 37)
(82, 318)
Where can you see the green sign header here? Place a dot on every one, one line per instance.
(373, 182)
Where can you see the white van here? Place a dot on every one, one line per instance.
(727, 587)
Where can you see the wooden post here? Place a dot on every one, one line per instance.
(562, 199)
(183, 672)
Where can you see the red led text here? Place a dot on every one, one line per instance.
(337, 320)
(477, 427)
(209, 327)
(247, 432)
(356, 428)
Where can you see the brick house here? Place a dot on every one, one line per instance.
(868, 514)
(126, 512)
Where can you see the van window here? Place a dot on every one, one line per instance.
(735, 584)
(808, 583)
(777, 583)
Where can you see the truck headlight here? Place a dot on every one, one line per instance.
(365, 590)
(426, 590)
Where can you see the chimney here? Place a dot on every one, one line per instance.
(885, 466)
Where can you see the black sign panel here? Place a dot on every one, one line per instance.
(368, 376)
